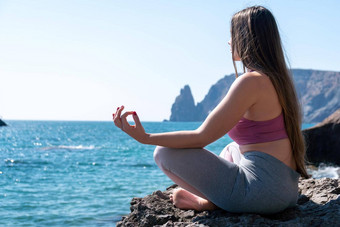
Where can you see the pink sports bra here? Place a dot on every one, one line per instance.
(250, 132)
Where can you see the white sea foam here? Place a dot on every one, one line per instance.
(70, 147)
(325, 171)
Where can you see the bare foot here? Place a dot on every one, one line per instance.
(184, 199)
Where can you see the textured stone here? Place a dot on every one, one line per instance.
(318, 205)
(323, 141)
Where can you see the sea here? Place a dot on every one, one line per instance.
(73, 173)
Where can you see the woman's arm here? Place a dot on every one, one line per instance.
(241, 96)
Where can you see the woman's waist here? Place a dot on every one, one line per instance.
(279, 149)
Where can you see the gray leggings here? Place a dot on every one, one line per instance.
(259, 183)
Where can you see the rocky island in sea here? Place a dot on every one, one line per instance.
(2, 123)
(318, 92)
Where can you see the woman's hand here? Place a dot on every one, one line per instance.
(135, 131)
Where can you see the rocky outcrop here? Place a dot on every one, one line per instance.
(323, 141)
(200, 111)
(184, 107)
(318, 92)
(318, 205)
(2, 123)
(215, 95)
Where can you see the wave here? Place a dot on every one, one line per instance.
(35, 163)
(69, 147)
(324, 170)
(142, 165)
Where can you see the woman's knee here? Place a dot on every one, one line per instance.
(159, 153)
(165, 157)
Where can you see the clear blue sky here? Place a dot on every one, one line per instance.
(79, 60)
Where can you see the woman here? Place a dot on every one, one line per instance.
(259, 171)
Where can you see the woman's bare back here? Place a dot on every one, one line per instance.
(266, 108)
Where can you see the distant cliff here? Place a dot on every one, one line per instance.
(319, 94)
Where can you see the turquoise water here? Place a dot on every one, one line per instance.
(76, 173)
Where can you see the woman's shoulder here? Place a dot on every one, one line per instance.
(253, 80)
(253, 75)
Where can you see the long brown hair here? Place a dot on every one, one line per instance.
(256, 40)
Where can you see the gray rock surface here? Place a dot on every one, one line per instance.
(318, 205)
(323, 141)
(318, 92)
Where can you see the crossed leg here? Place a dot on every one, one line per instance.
(186, 200)
(188, 197)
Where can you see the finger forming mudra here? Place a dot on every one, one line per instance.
(117, 118)
(120, 120)
(136, 130)
(125, 124)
